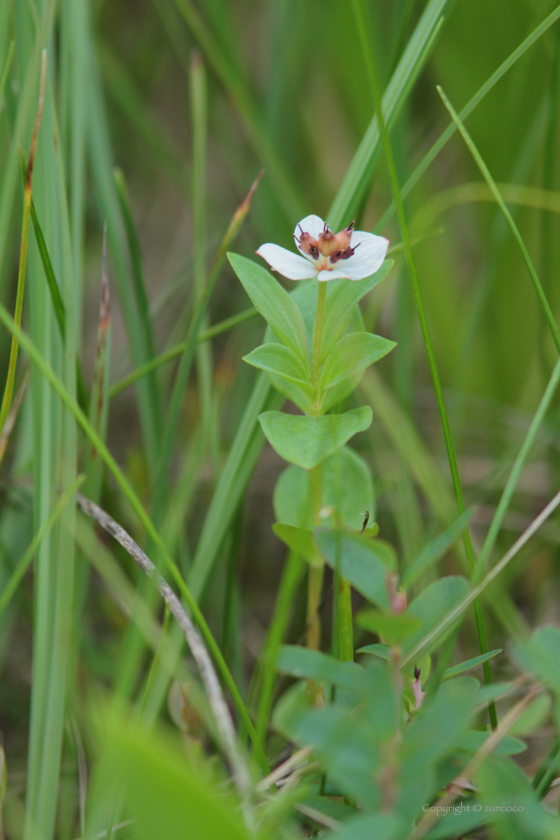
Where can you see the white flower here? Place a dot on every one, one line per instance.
(327, 256)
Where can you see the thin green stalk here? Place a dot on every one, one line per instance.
(183, 372)
(54, 289)
(286, 188)
(31, 550)
(204, 364)
(509, 218)
(138, 282)
(506, 65)
(136, 505)
(344, 621)
(313, 633)
(509, 489)
(9, 59)
(178, 350)
(27, 197)
(457, 611)
(56, 297)
(358, 176)
(317, 342)
(411, 265)
(291, 577)
(544, 775)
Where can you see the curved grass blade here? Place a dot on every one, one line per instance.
(509, 218)
(70, 403)
(518, 465)
(463, 605)
(358, 177)
(430, 156)
(455, 670)
(179, 349)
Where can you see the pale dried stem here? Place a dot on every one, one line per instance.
(220, 710)
(476, 761)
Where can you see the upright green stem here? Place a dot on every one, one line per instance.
(344, 621)
(313, 635)
(315, 586)
(317, 343)
(397, 197)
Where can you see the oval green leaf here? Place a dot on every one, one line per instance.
(352, 355)
(306, 441)
(274, 303)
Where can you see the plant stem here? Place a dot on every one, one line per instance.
(292, 575)
(313, 634)
(318, 342)
(344, 620)
(315, 585)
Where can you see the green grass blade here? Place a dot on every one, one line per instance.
(291, 577)
(56, 297)
(470, 106)
(509, 218)
(71, 404)
(99, 402)
(475, 593)
(413, 274)
(149, 405)
(179, 349)
(185, 364)
(204, 363)
(518, 465)
(27, 557)
(123, 91)
(26, 110)
(7, 65)
(9, 388)
(240, 463)
(138, 283)
(359, 173)
(286, 189)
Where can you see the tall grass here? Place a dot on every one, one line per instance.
(156, 123)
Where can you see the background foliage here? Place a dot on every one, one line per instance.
(189, 101)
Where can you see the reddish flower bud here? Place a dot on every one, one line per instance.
(328, 242)
(309, 245)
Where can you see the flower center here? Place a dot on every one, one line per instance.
(328, 249)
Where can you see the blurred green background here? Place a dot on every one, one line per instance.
(191, 101)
